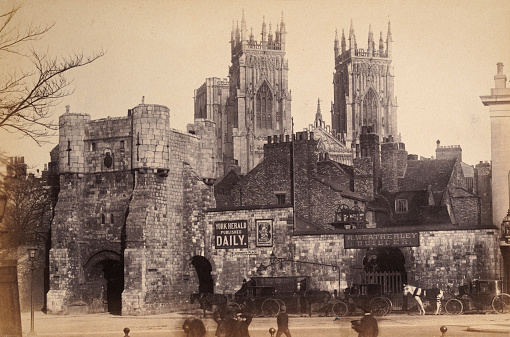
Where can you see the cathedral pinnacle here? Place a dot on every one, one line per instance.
(381, 43)
(243, 28)
(370, 40)
(337, 51)
(264, 32)
(318, 114)
(238, 37)
(389, 40)
(343, 41)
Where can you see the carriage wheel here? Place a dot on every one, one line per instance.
(340, 309)
(270, 307)
(390, 306)
(234, 307)
(379, 306)
(453, 307)
(501, 303)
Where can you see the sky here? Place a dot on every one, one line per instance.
(444, 58)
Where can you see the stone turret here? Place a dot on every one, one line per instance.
(151, 124)
(393, 163)
(71, 142)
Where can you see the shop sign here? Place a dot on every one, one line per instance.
(404, 239)
(231, 234)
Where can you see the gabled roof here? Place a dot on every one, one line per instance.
(422, 173)
(457, 192)
(347, 169)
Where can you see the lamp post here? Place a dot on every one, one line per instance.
(3, 204)
(32, 253)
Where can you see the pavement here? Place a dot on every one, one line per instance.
(170, 324)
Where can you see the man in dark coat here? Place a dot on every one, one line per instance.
(244, 321)
(231, 325)
(367, 326)
(220, 316)
(282, 320)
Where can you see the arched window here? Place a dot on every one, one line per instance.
(370, 110)
(264, 107)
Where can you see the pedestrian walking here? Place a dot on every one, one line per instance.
(244, 321)
(194, 327)
(282, 320)
(366, 326)
(231, 325)
(220, 316)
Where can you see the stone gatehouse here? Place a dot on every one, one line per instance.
(128, 213)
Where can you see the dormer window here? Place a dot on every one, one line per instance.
(401, 206)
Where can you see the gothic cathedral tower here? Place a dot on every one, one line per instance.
(259, 100)
(363, 88)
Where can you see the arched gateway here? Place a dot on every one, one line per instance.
(385, 266)
(203, 268)
(104, 277)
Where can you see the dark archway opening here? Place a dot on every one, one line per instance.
(203, 269)
(389, 259)
(105, 283)
(385, 266)
(113, 272)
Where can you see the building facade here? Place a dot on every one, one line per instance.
(147, 215)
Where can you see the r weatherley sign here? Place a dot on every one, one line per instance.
(405, 239)
(231, 234)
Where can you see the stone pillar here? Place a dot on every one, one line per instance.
(499, 108)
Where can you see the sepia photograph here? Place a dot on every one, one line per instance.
(239, 168)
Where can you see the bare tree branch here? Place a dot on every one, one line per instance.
(27, 97)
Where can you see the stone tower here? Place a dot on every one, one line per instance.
(363, 88)
(259, 99)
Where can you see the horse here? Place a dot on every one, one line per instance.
(419, 293)
(208, 300)
(315, 296)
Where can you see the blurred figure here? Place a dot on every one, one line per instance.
(244, 320)
(367, 326)
(194, 327)
(282, 320)
(220, 316)
(231, 325)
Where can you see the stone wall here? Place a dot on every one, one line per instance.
(232, 266)
(454, 256)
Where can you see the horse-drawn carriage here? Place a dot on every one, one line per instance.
(366, 296)
(267, 295)
(478, 295)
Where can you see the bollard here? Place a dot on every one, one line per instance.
(272, 331)
(126, 332)
(443, 330)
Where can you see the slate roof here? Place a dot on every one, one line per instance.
(422, 173)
